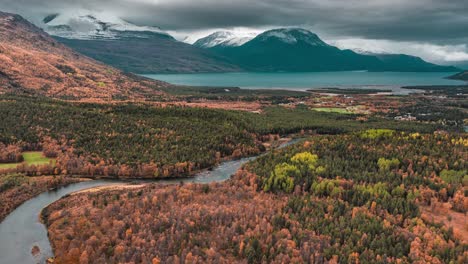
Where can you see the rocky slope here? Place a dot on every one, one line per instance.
(34, 63)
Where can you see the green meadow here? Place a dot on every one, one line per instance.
(30, 158)
(332, 110)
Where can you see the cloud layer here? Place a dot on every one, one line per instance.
(434, 22)
(443, 54)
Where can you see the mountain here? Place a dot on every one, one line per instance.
(460, 76)
(296, 49)
(292, 36)
(132, 48)
(92, 26)
(223, 39)
(33, 62)
(461, 64)
(402, 62)
(155, 53)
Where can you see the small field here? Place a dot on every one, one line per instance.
(332, 110)
(8, 165)
(30, 158)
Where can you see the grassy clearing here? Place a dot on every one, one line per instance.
(36, 158)
(30, 158)
(332, 110)
(8, 165)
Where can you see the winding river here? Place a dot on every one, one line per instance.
(22, 230)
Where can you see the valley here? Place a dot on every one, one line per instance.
(277, 148)
(266, 223)
(228, 134)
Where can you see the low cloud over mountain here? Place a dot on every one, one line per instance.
(439, 24)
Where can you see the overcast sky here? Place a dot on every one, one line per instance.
(434, 29)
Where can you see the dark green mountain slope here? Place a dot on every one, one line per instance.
(402, 62)
(295, 49)
(150, 53)
(460, 76)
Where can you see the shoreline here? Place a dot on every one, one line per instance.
(35, 194)
(138, 181)
(282, 141)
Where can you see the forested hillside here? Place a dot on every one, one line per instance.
(142, 140)
(364, 197)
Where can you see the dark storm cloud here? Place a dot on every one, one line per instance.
(437, 21)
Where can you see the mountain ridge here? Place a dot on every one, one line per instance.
(222, 39)
(85, 25)
(297, 49)
(412, 63)
(32, 62)
(293, 50)
(463, 76)
(292, 36)
(132, 48)
(156, 54)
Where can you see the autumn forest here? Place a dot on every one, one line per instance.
(99, 165)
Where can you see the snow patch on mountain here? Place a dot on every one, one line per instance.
(224, 39)
(85, 25)
(292, 36)
(280, 35)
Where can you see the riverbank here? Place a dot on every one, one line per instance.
(275, 142)
(15, 189)
(25, 217)
(21, 230)
(123, 186)
(189, 199)
(350, 197)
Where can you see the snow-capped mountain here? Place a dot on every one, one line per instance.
(224, 39)
(292, 36)
(297, 49)
(85, 25)
(132, 48)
